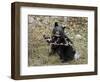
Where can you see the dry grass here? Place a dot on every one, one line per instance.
(38, 54)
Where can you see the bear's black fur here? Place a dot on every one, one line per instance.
(60, 43)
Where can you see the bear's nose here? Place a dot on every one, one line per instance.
(57, 33)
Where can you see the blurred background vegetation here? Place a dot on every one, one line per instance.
(76, 29)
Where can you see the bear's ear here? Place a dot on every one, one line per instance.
(56, 24)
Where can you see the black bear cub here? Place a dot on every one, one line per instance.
(60, 43)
